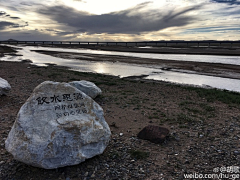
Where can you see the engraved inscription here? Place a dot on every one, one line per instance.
(64, 110)
(59, 98)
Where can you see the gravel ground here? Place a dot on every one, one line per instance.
(204, 127)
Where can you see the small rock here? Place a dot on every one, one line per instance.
(186, 162)
(154, 134)
(236, 152)
(201, 135)
(87, 87)
(86, 174)
(121, 134)
(113, 124)
(4, 87)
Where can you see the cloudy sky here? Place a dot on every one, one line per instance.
(120, 20)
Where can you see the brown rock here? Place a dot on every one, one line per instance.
(154, 134)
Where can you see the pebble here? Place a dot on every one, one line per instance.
(89, 167)
(86, 174)
(236, 152)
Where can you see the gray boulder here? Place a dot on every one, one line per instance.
(87, 87)
(58, 126)
(4, 87)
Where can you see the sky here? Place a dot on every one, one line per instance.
(119, 20)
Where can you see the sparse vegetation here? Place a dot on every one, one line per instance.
(183, 118)
(138, 154)
(212, 95)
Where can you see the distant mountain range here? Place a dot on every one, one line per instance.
(10, 40)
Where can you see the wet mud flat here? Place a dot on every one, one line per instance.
(6, 49)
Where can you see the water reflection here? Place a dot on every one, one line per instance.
(124, 70)
(198, 80)
(100, 69)
(179, 57)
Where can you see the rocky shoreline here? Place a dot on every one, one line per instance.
(204, 126)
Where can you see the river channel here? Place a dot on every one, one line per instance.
(125, 69)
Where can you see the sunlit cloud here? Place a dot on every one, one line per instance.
(135, 20)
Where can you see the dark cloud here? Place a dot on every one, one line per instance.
(18, 25)
(62, 33)
(131, 21)
(214, 29)
(14, 17)
(13, 8)
(229, 8)
(27, 36)
(232, 2)
(65, 33)
(25, 4)
(5, 24)
(81, 30)
(50, 30)
(2, 13)
(11, 22)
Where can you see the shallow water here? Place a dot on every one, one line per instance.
(198, 80)
(179, 57)
(124, 70)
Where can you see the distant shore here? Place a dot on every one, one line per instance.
(224, 51)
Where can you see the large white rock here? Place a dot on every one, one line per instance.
(4, 87)
(58, 126)
(87, 87)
